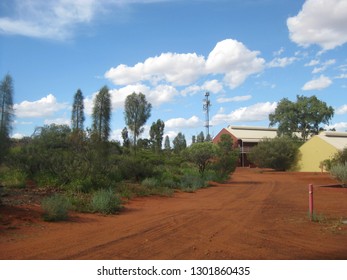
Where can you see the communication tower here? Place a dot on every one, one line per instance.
(206, 107)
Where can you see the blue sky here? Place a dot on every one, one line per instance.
(248, 54)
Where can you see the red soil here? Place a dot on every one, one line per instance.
(256, 215)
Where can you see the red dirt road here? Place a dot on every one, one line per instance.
(256, 215)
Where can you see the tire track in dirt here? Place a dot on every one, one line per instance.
(252, 216)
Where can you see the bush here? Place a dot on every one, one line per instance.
(13, 178)
(150, 183)
(191, 182)
(55, 208)
(339, 172)
(280, 153)
(106, 202)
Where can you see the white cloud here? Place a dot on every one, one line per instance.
(192, 122)
(178, 69)
(235, 61)
(281, 62)
(18, 136)
(156, 96)
(320, 22)
(57, 19)
(256, 112)
(161, 94)
(279, 52)
(341, 110)
(341, 76)
(341, 126)
(324, 66)
(58, 121)
(213, 86)
(318, 84)
(47, 19)
(44, 107)
(229, 58)
(234, 99)
(313, 62)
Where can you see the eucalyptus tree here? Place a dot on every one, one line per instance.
(137, 111)
(77, 117)
(179, 143)
(167, 145)
(102, 115)
(156, 134)
(6, 114)
(303, 116)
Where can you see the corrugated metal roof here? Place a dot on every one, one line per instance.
(252, 133)
(336, 139)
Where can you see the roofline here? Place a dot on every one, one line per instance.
(262, 128)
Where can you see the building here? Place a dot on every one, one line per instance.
(246, 137)
(319, 148)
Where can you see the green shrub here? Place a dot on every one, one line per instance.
(191, 182)
(13, 178)
(106, 201)
(339, 172)
(280, 153)
(46, 179)
(55, 208)
(151, 183)
(80, 202)
(80, 185)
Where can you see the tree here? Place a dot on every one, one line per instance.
(280, 153)
(179, 143)
(156, 134)
(77, 118)
(227, 156)
(208, 138)
(136, 112)
(6, 114)
(201, 154)
(200, 138)
(102, 115)
(304, 116)
(125, 136)
(167, 145)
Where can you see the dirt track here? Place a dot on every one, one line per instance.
(256, 215)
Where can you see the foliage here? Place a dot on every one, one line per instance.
(191, 182)
(339, 158)
(304, 116)
(179, 143)
(106, 201)
(6, 114)
(136, 168)
(167, 145)
(156, 187)
(77, 116)
(102, 115)
(200, 138)
(13, 178)
(201, 154)
(339, 172)
(227, 157)
(156, 134)
(125, 137)
(136, 112)
(55, 208)
(280, 153)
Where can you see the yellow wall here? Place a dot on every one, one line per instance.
(313, 152)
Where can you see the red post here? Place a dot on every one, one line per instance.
(310, 200)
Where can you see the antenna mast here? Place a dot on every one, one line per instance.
(206, 106)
